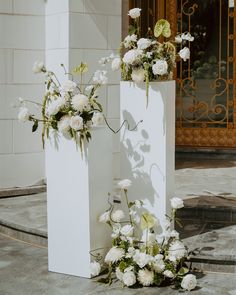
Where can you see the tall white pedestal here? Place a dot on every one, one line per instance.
(147, 154)
(77, 194)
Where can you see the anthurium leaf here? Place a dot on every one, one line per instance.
(147, 221)
(162, 27)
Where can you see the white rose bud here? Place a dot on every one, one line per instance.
(168, 274)
(176, 203)
(184, 53)
(115, 65)
(38, 67)
(95, 268)
(23, 114)
(134, 13)
(189, 282)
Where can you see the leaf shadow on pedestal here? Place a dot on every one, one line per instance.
(134, 166)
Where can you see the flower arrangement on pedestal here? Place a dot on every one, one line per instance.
(152, 58)
(68, 107)
(140, 256)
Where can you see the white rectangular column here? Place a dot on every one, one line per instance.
(77, 190)
(147, 154)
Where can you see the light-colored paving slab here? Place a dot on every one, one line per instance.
(23, 271)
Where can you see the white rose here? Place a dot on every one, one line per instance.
(160, 67)
(168, 274)
(95, 268)
(129, 278)
(115, 65)
(23, 114)
(124, 184)
(129, 40)
(177, 249)
(127, 230)
(119, 274)
(176, 203)
(38, 67)
(178, 39)
(97, 119)
(68, 86)
(134, 13)
(76, 123)
(80, 102)
(145, 277)
(189, 282)
(118, 215)
(141, 258)
(64, 124)
(132, 56)
(184, 53)
(114, 254)
(105, 217)
(100, 77)
(138, 75)
(144, 43)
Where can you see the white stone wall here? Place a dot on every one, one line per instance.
(86, 30)
(72, 31)
(22, 31)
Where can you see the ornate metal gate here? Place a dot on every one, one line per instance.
(206, 84)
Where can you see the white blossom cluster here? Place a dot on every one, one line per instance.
(140, 255)
(149, 59)
(68, 107)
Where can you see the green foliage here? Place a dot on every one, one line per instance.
(158, 279)
(183, 271)
(162, 27)
(35, 126)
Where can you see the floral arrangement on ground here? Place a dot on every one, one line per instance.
(69, 107)
(139, 255)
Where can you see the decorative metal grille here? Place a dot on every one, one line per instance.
(206, 84)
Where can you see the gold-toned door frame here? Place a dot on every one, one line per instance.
(203, 136)
(224, 137)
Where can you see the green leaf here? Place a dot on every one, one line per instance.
(162, 27)
(35, 126)
(83, 68)
(122, 266)
(132, 29)
(147, 221)
(158, 278)
(183, 271)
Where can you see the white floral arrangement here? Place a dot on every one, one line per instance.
(139, 256)
(149, 59)
(68, 107)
